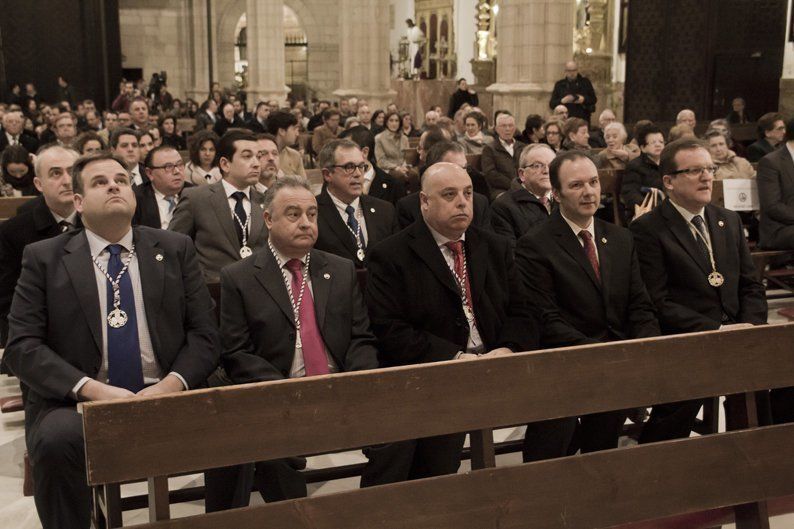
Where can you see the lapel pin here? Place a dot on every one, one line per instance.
(721, 224)
(327, 276)
(372, 210)
(385, 185)
(159, 257)
(603, 240)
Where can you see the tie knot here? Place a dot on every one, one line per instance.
(350, 210)
(455, 246)
(697, 220)
(114, 249)
(238, 196)
(294, 265)
(584, 234)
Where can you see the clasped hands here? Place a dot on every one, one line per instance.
(501, 351)
(95, 390)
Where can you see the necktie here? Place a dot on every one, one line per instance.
(545, 201)
(590, 251)
(15, 140)
(697, 221)
(353, 223)
(64, 226)
(124, 353)
(171, 203)
(239, 210)
(314, 359)
(456, 247)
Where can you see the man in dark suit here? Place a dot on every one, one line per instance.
(696, 266)
(771, 131)
(350, 222)
(258, 122)
(48, 215)
(575, 92)
(583, 283)
(377, 182)
(408, 208)
(72, 339)
(514, 213)
(500, 159)
(13, 133)
(776, 195)
(441, 290)
(158, 197)
(288, 312)
(124, 143)
(224, 219)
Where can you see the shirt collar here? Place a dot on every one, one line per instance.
(688, 215)
(97, 244)
(229, 189)
(506, 144)
(369, 176)
(576, 228)
(440, 239)
(71, 219)
(281, 259)
(341, 206)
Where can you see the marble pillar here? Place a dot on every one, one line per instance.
(535, 38)
(198, 81)
(265, 31)
(363, 51)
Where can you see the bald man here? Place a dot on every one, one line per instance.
(441, 289)
(575, 92)
(686, 117)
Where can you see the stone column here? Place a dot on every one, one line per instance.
(198, 77)
(265, 28)
(364, 51)
(786, 105)
(535, 38)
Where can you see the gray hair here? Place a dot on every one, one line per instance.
(37, 169)
(327, 156)
(284, 182)
(529, 149)
(619, 126)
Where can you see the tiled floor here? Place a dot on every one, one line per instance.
(18, 512)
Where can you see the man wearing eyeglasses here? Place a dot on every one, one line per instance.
(157, 198)
(350, 222)
(575, 92)
(696, 267)
(771, 131)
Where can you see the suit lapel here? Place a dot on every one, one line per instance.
(330, 218)
(220, 205)
(372, 216)
(719, 241)
(257, 218)
(77, 261)
(321, 286)
(477, 264)
(604, 259)
(569, 242)
(423, 244)
(152, 271)
(680, 229)
(270, 277)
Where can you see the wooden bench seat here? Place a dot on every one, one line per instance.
(11, 404)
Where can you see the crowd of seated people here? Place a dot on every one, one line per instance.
(464, 259)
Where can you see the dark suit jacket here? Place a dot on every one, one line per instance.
(641, 172)
(55, 333)
(222, 125)
(385, 187)
(334, 235)
(257, 322)
(415, 305)
(26, 139)
(147, 213)
(409, 211)
(255, 127)
(499, 167)
(776, 196)
(676, 272)
(758, 150)
(579, 86)
(563, 293)
(514, 213)
(204, 121)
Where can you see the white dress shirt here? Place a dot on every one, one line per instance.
(11, 140)
(71, 219)
(166, 211)
(298, 369)
(341, 206)
(135, 175)
(152, 372)
(474, 344)
(229, 189)
(688, 216)
(369, 176)
(509, 147)
(576, 229)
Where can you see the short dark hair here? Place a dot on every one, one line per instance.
(85, 137)
(437, 151)
(433, 134)
(197, 140)
(15, 154)
(644, 131)
(280, 120)
(118, 133)
(84, 161)
(140, 98)
(567, 156)
(533, 121)
(667, 164)
(265, 136)
(330, 112)
(477, 116)
(573, 125)
(226, 146)
(767, 123)
(149, 160)
(362, 136)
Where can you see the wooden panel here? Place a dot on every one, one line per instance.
(590, 491)
(9, 205)
(359, 409)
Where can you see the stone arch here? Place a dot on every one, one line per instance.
(225, 28)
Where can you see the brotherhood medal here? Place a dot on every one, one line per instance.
(360, 254)
(245, 251)
(716, 279)
(116, 318)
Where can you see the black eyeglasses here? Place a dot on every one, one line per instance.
(170, 167)
(695, 172)
(350, 168)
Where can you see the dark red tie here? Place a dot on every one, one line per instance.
(456, 247)
(590, 251)
(314, 359)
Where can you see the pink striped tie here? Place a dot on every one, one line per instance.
(314, 358)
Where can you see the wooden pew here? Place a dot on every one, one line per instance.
(152, 438)
(611, 180)
(9, 206)
(413, 142)
(473, 161)
(411, 157)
